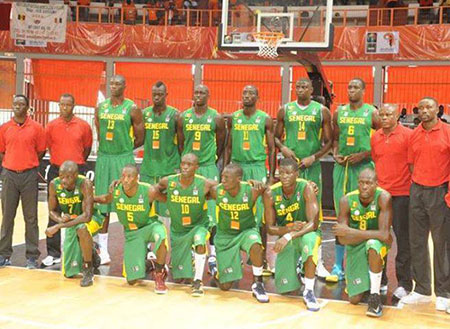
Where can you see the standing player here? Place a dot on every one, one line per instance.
(251, 130)
(189, 222)
(292, 214)
(120, 128)
(201, 131)
(364, 222)
(352, 127)
(70, 205)
(161, 157)
(68, 138)
(237, 230)
(132, 201)
(306, 126)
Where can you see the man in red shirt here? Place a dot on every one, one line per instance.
(68, 138)
(22, 146)
(429, 159)
(390, 153)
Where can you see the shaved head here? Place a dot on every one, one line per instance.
(235, 169)
(191, 157)
(68, 167)
(389, 107)
(368, 174)
(202, 88)
(130, 169)
(118, 78)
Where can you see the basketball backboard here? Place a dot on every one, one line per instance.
(306, 24)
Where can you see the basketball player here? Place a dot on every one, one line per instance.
(161, 157)
(251, 130)
(237, 230)
(201, 131)
(70, 206)
(306, 126)
(119, 129)
(292, 214)
(189, 222)
(352, 127)
(364, 222)
(132, 201)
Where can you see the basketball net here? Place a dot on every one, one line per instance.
(268, 43)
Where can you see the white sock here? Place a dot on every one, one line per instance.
(309, 284)
(257, 271)
(212, 251)
(375, 282)
(103, 241)
(199, 260)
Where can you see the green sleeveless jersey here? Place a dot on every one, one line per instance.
(363, 218)
(235, 214)
(303, 128)
(70, 202)
(116, 131)
(200, 135)
(288, 211)
(134, 212)
(355, 127)
(161, 156)
(248, 136)
(187, 207)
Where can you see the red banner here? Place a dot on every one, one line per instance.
(417, 42)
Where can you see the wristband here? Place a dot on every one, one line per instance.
(288, 236)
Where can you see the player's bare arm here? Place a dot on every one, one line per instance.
(180, 134)
(220, 135)
(335, 145)
(228, 147)
(270, 148)
(279, 131)
(138, 126)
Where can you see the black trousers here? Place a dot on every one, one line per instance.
(429, 212)
(54, 243)
(24, 187)
(400, 222)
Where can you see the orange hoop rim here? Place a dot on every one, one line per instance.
(268, 36)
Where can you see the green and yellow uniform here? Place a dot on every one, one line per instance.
(236, 230)
(355, 127)
(116, 143)
(303, 135)
(161, 157)
(71, 203)
(288, 211)
(200, 139)
(248, 137)
(189, 222)
(138, 218)
(362, 218)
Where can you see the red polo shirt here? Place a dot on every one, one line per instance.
(390, 154)
(429, 152)
(21, 144)
(67, 140)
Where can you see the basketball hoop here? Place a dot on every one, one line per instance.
(268, 43)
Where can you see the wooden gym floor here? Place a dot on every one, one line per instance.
(45, 299)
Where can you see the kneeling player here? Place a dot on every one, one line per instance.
(132, 201)
(237, 230)
(70, 205)
(363, 227)
(292, 213)
(189, 221)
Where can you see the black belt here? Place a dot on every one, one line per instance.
(20, 171)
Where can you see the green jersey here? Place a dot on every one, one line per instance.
(235, 214)
(70, 202)
(288, 211)
(200, 135)
(248, 136)
(161, 156)
(187, 207)
(303, 128)
(355, 127)
(116, 130)
(136, 211)
(361, 217)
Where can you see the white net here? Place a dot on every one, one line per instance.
(268, 43)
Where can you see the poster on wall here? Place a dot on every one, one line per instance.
(382, 42)
(34, 23)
